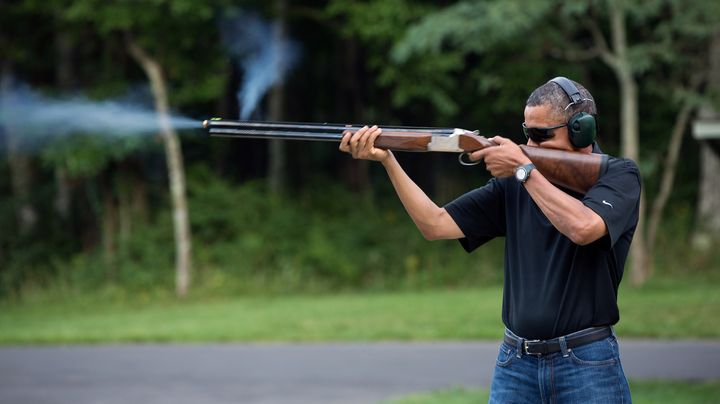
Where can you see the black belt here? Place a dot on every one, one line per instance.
(576, 339)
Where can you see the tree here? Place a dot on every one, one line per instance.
(162, 38)
(707, 227)
(633, 51)
(176, 170)
(686, 25)
(19, 161)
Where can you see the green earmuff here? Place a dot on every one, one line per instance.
(582, 127)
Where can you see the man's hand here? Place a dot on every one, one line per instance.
(361, 144)
(501, 160)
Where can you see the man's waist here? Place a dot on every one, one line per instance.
(542, 347)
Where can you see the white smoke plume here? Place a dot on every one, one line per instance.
(263, 57)
(33, 119)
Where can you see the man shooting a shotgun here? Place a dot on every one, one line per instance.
(564, 252)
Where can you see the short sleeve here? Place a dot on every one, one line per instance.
(480, 214)
(616, 197)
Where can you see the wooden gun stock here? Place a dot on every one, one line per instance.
(571, 170)
(575, 171)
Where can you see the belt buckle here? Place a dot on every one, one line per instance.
(525, 347)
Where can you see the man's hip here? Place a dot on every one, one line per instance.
(590, 371)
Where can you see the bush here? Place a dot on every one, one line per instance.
(322, 238)
(325, 237)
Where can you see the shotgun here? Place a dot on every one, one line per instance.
(571, 170)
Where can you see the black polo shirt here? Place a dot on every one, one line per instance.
(552, 286)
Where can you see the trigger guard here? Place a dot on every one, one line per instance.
(467, 163)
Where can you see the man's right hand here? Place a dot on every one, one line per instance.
(361, 144)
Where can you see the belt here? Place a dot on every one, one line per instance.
(576, 339)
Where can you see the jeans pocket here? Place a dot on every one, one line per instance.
(506, 354)
(596, 353)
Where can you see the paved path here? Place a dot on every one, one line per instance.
(293, 374)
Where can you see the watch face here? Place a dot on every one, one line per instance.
(520, 174)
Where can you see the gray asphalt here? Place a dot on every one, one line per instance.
(291, 373)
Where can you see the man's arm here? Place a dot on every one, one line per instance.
(433, 221)
(569, 215)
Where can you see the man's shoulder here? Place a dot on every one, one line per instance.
(615, 163)
(620, 165)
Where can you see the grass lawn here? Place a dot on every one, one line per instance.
(664, 309)
(649, 392)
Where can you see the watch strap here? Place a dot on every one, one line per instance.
(528, 168)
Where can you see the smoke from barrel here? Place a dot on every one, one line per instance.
(36, 118)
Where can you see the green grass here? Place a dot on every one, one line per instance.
(677, 309)
(399, 316)
(671, 308)
(456, 395)
(649, 392)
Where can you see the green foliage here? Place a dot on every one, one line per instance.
(316, 239)
(462, 63)
(323, 238)
(431, 78)
(179, 33)
(472, 26)
(245, 241)
(142, 263)
(453, 56)
(87, 155)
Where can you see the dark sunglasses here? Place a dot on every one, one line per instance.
(539, 135)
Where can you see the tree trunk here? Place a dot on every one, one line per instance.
(124, 181)
(176, 171)
(19, 163)
(65, 79)
(618, 60)
(707, 227)
(668, 178)
(277, 178)
(131, 196)
(109, 227)
(64, 69)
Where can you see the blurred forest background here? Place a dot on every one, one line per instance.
(171, 211)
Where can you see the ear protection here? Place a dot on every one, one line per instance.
(582, 127)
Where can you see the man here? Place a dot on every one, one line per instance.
(564, 252)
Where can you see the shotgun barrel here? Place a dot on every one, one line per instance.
(303, 131)
(571, 170)
(400, 138)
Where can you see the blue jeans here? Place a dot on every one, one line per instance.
(587, 374)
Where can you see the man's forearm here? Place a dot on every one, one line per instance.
(432, 221)
(569, 215)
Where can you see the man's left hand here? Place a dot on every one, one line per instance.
(503, 159)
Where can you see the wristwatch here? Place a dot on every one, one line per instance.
(522, 173)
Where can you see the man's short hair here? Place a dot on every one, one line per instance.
(552, 94)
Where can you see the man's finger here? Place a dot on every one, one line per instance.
(356, 137)
(499, 140)
(369, 133)
(374, 135)
(480, 154)
(344, 146)
(362, 142)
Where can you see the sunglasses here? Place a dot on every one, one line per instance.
(539, 135)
